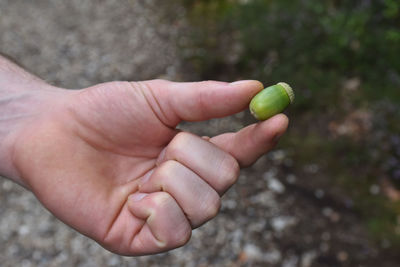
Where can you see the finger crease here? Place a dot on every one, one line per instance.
(154, 104)
(110, 227)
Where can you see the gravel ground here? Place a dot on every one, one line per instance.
(267, 219)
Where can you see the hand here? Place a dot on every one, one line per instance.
(108, 161)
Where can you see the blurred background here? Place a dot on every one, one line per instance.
(328, 195)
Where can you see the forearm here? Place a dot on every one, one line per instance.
(22, 98)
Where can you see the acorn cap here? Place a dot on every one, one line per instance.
(288, 90)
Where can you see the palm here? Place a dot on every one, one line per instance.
(113, 139)
(85, 158)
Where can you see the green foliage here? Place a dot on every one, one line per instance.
(313, 44)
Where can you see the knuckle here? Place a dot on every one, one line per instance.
(230, 170)
(212, 206)
(167, 167)
(160, 200)
(166, 173)
(177, 144)
(182, 236)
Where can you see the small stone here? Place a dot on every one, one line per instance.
(271, 173)
(229, 204)
(114, 261)
(236, 237)
(272, 256)
(7, 185)
(257, 226)
(326, 236)
(308, 239)
(335, 217)
(275, 185)
(278, 155)
(386, 243)
(252, 252)
(291, 261)
(288, 162)
(327, 211)
(331, 214)
(279, 224)
(374, 189)
(342, 256)
(23, 230)
(324, 247)
(319, 193)
(352, 84)
(26, 263)
(291, 179)
(308, 258)
(311, 168)
(265, 198)
(37, 255)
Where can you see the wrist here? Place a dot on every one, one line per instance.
(23, 100)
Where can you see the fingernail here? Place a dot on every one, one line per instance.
(137, 197)
(239, 82)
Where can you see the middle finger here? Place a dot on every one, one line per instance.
(217, 167)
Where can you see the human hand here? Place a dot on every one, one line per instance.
(108, 161)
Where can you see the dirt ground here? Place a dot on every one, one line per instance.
(271, 217)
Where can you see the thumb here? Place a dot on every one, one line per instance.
(197, 101)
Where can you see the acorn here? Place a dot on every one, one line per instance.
(271, 101)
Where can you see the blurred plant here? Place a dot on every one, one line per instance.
(312, 44)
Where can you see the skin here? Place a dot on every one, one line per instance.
(108, 161)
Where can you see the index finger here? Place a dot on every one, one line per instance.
(253, 141)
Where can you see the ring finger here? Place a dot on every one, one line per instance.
(198, 200)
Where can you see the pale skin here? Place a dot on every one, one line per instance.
(108, 161)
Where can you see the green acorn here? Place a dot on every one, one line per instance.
(271, 101)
